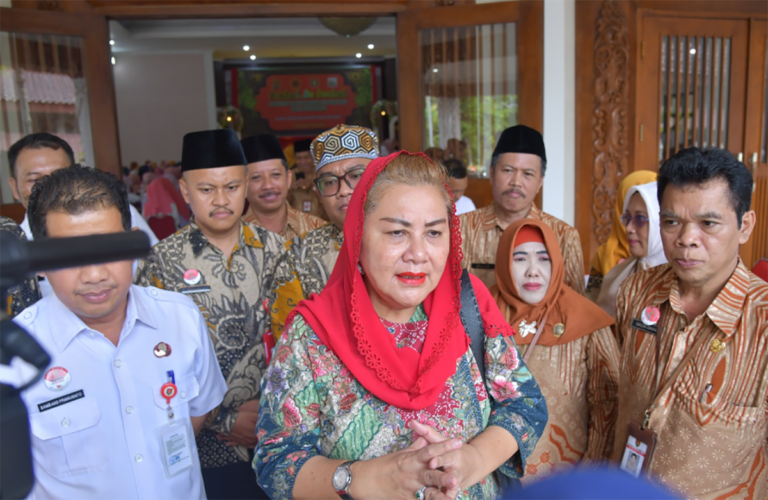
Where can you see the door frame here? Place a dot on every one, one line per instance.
(529, 16)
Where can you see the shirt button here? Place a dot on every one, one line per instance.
(27, 315)
(118, 363)
(129, 409)
(153, 291)
(139, 458)
(65, 422)
(183, 394)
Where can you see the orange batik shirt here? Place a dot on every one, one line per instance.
(712, 424)
(298, 222)
(480, 233)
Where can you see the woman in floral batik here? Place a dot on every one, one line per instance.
(373, 390)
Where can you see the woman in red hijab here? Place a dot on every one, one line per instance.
(373, 390)
(164, 199)
(567, 344)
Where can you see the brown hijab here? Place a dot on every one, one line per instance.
(561, 305)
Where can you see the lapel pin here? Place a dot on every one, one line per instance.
(650, 316)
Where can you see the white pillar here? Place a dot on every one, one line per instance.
(560, 108)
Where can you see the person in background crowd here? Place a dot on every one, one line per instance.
(341, 155)
(389, 146)
(374, 391)
(456, 149)
(268, 182)
(27, 292)
(436, 154)
(226, 266)
(303, 196)
(134, 188)
(173, 174)
(100, 427)
(616, 248)
(566, 342)
(641, 218)
(458, 182)
(518, 166)
(163, 199)
(146, 180)
(694, 337)
(33, 157)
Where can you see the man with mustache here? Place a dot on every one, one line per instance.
(694, 335)
(268, 181)
(133, 374)
(518, 166)
(341, 155)
(303, 196)
(226, 266)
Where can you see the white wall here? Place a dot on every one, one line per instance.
(560, 108)
(161, 97)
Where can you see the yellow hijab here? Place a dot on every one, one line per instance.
(617, 247)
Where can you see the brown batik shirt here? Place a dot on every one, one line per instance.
(580, 381)
(297, 224)
(231, 294)
(712, 425)
(304, 270)
(480, 233)
(27, 292)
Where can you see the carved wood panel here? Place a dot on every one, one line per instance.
(610, 147)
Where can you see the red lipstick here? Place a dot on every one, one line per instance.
(412, 278)
(532, 286)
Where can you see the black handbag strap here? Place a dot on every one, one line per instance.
(472, 321)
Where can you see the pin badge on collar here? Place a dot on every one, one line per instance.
(192, 277)
(558, 330)
(527, 328)
(57, 378)
(650, 316)
(162, 350)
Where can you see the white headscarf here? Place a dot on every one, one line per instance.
(655, 256)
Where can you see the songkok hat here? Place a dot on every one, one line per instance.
(343, 142)
(262, 147)
(521, 139)
(211, 149)
(302, 145)
(528, 234)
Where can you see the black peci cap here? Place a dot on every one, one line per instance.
(302, 145)
(262, 147)
(521, 139)
(211, 149)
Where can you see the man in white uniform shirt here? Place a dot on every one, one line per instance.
(37, 155)
(133, 375)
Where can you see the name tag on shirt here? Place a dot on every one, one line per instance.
(55, 403)
(478, 265)
(196, 289)
(306, 206)
(175, 447)
(652, 329)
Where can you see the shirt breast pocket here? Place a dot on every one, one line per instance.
(68, 440)
(187, 389)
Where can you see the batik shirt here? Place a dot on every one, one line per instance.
(580, 381)
(304, 270)
(306, 200)
(480, 233)
(231, 295)
(312, 405)
(297, 224)
(27, 292)
(711, 439)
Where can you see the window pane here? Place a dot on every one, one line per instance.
(42, 89)
(469, 86)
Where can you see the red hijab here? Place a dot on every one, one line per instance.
(344, 319)
(160, 194)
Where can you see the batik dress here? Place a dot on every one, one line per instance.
(312, 405)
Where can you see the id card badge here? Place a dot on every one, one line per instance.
(175, 446)
(306, 206)
(638, 451)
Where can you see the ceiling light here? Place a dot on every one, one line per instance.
(111, 42)
(693, 51)
(253, 57)
(370, 46)
(383, 113)
(229, 118)
(358, 55)
(434, 70)
(114, 61)
(246, 48)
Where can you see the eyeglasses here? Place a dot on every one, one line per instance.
(329, 185)
(639, 220)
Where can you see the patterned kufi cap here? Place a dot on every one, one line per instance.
(343, 142)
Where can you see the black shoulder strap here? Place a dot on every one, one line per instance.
(472, 321)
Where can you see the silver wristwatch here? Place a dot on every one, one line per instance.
(342, 479)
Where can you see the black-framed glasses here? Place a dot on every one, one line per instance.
(639, 220)
(329, 184)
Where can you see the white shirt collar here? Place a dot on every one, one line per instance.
(25, 227)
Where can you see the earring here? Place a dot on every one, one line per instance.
(360, 268)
